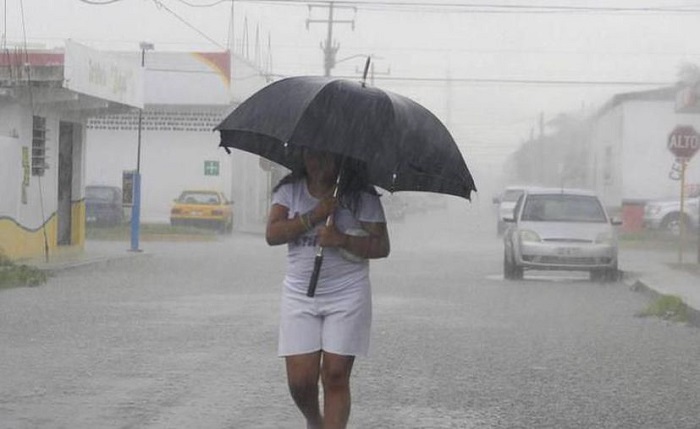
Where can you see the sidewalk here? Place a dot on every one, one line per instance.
(95, 253)
(659, 273)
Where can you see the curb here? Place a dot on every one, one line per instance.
(58, 267)
(637, 284)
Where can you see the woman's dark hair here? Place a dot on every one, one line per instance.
(353, 181)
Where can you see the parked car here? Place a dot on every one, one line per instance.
(560, 229)
(103, 205)
(506, 203)
(203, 208)
(665, 215)
(395, 207)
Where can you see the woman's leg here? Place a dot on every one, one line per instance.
(335, 375)
(302, 378)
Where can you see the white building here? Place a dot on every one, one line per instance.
(45, 100)
(186, 95)
(71, 118)
(629, 161)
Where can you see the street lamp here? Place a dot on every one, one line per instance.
(136, 209)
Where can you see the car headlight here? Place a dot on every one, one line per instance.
(527, 235)
(604, 238)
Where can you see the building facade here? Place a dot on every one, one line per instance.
(42, 148)
(69, 118)
(186, 95)
(628, 158)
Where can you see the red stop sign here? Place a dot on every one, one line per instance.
(683, 141)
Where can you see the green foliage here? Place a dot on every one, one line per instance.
(667, 307)
(13, 275)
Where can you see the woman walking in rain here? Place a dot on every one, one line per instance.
(320, 336)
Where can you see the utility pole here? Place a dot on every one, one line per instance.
(231, 42)
(330, 48)
(136, 207)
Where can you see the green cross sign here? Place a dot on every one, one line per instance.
(211, 168)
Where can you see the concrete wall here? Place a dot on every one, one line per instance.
(604, 157)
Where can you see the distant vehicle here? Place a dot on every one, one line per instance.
(395, 207)
(103, 205)
(665, 215)
(506, 203)
(560, 229)
(203, 208)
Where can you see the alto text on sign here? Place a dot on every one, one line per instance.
(683, 142)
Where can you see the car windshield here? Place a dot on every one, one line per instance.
(199, 198)
(99, 193)
(512, 195)
(563, 208)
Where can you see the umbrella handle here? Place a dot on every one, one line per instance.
(318, 261)
(311, 291)
(364, 74)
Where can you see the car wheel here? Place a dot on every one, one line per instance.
(518, 272)
(611, 274)
(672, 223)
(510, 270)
(595, 275)
(507, 267)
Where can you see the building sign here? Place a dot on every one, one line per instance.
(211, 168)
(103, 75)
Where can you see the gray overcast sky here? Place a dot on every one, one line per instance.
(489, 120)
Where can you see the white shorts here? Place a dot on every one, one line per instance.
(337, 323)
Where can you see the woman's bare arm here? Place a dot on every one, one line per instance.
(280, 229)
(374, 246)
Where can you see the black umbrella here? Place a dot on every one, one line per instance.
(404, 146)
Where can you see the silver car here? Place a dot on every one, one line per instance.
(665, 215)
(506, 203)
(560, 229)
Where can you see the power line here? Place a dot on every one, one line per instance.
(473, 7)
(160, 4)
(500, 81)
(99, 3)
(215, 3)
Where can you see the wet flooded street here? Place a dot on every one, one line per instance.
(185, 335)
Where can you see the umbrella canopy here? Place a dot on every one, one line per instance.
(405, 147)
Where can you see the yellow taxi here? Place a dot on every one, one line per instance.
(203, 208)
